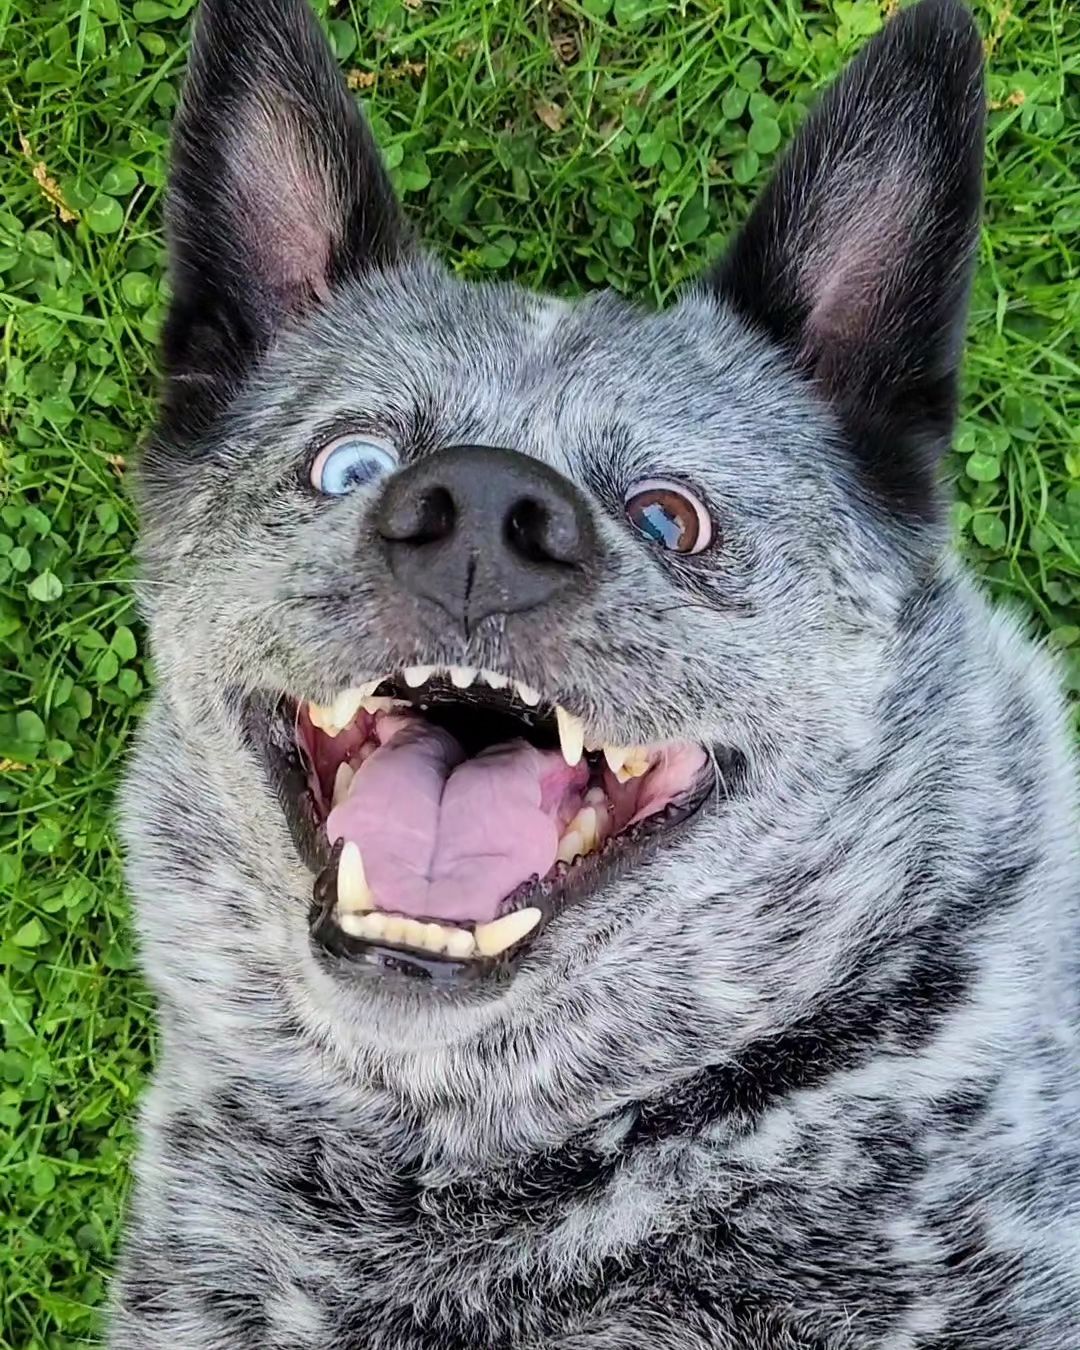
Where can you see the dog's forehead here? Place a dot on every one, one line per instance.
(561, 379)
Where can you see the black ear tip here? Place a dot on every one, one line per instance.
(945, 27)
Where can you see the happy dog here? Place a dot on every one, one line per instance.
(608, 877)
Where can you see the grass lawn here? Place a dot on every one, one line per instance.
(570, 143)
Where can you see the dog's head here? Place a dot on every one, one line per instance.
(496, 633)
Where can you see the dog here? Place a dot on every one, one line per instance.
(608, 877)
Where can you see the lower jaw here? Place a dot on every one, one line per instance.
(566, 885)
(553, 895)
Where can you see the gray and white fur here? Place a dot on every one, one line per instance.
(807, 1076)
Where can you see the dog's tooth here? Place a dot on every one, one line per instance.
(353, 924)
(637, 764)
(616, 756)
(495, 680)
(570, 847)
(343, 782)
(434, 936)
(495, 937)
(320, 716)
(527, 693)
(353, 892)
(393, 929)
(459, 943)
(375, 705)
(461, 677)
(571, 736)
(413, 932)
(343, 709)
(415, 676)
(373, 926)
(585, 824)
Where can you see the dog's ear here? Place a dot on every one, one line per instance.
(858, 256)
(276, 195)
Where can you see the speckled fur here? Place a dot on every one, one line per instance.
(804, 1079)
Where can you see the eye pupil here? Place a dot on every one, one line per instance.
(670, 516)
(350, 463)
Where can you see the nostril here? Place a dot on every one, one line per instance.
(423, 518)
(540, 536)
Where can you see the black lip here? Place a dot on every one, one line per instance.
(270, 724)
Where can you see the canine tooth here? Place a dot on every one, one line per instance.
(461, 677)
(571, 735)
(570, 847)
(459, 943)
(353, 892)
(493, 938)
(528, 694)
(616, 756)
(415, 676)
(434, 936)
(342, 782)
(394, 929)
(413, 932)
(496, 681)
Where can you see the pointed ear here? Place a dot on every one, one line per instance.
(858, 256)
(276, 195)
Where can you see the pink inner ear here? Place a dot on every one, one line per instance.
(856, 256)
(288, 209)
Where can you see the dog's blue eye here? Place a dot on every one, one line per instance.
(350, 462)
(670, 515)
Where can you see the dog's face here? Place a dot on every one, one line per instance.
(476, 614)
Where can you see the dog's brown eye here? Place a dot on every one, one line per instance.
(671, 515)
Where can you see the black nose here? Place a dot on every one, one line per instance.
(481, 531)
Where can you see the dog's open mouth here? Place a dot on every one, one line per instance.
(452, 813)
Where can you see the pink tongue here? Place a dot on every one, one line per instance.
(444, 837)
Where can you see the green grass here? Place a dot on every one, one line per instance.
(570, 144)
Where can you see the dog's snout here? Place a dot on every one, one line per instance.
(481, 531)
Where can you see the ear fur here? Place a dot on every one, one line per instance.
(857, 257)
(277, 194)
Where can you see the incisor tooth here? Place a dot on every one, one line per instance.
(461, 677)
(342, 783)
(459, 943)
(434, 936)
(373, 925)
(353, 892)
(528, 694)
(394, 929)
(570, 847)
(415, 676)
(413, 932)
(353, 924)
(571, 736)
(495, 937)
(495, 680)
